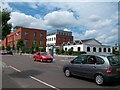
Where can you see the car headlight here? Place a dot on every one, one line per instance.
(43, 57)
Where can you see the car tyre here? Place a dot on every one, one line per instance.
(99, 79)
(34, 59)
(41, 60)
(67, 72)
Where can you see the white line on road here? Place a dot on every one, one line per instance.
(14, 68)
(44, 82)
(36, 79)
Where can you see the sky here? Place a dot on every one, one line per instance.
(86, 20)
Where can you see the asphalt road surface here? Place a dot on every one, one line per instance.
(23, 72)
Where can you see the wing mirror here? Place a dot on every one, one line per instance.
(72, 61)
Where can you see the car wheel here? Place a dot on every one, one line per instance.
(99, 79)
(67, 73)
(40, 60)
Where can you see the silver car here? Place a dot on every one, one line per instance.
(101, 68)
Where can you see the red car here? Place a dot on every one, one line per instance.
(43, 57)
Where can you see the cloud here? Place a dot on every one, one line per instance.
(94, 18)
(103, 24)
(60, 19)
(90, 33)
(21, 19)
(67, 29)
(5, 5)
(33, 5)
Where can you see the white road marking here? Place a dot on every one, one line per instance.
(44, 83)
(35, 79)
(14, 68)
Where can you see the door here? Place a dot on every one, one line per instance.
(90, 67)
(77, 65)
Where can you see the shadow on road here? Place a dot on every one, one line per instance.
(110, 84)
(25, 74)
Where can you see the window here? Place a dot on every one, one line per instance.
(88, 49)
(72, 48)
(100, 50)
(41, 34)
(25, 42)
(41, 42)
(91, 60)
(80, 59)
(78, 48)
(35, 34)
(94, 49)
(114, 60)
(99, 60)
(104, 49)
(25, 33)
(109, 50)
(65, 49)
(34, 42)
(54, 38)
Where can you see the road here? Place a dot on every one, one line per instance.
(23, 72)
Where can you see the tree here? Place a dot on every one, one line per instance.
(37, 47)
(3, 48)
(8, 48)
(20, 44)
(57, 50)
(70, 51)
(5, 27)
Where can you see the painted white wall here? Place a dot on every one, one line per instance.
(83, 47)
(75, 47)
(51, 42)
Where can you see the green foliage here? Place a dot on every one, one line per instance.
(3, 48)
(8, 48)
(62, 51)
(20, 44)
(13, 47)
(43, 49)
(5, 27)
(70, 51)
(37, 47)
(57, 50)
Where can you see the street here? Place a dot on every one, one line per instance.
(23, 72)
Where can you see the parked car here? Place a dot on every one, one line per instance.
(101, 68)
(43, 57)
(4, 52)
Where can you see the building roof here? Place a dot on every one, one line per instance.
(77, 42)
(60, 32)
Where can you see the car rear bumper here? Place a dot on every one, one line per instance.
(112, 78)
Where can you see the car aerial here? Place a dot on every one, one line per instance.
(101, 68)
(43, 57)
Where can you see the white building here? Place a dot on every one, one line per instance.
(88, 46)
(57, 37)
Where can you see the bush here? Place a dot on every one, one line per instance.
(57, 50)
(70, 51)
(78, 53)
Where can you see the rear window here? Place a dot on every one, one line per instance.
(114, 60)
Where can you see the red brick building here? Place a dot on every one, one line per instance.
(29, 35)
